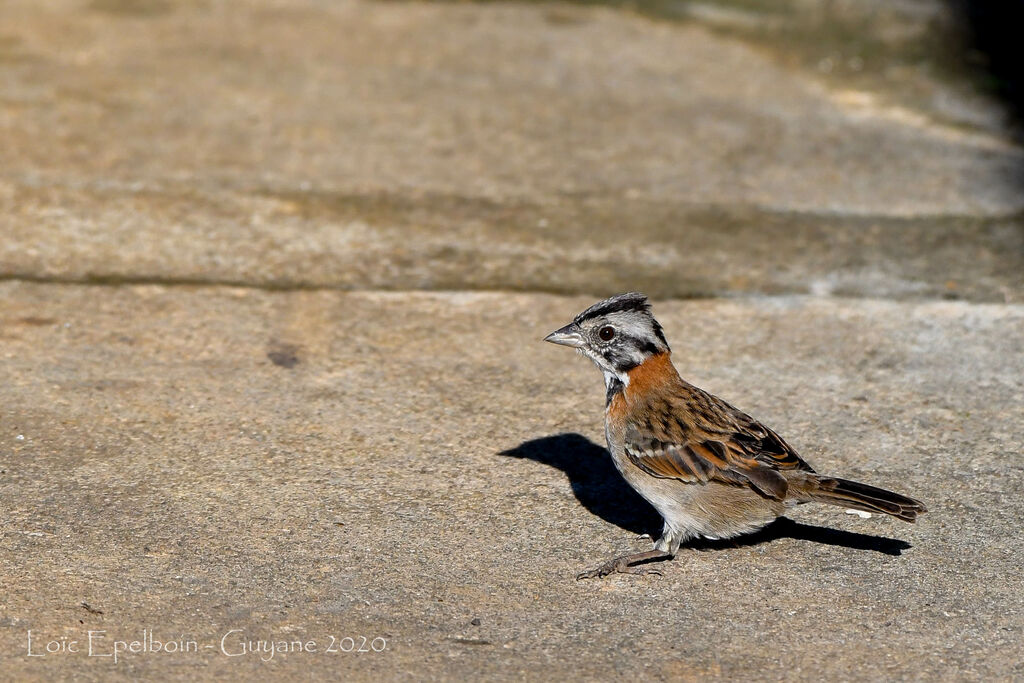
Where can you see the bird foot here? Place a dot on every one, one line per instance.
(627, 564)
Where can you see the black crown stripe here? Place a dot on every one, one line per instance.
(631, 301)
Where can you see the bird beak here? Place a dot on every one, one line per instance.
(567, 336)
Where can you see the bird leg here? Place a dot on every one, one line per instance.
(627, 565)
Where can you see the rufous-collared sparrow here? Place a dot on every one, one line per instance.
(709, 469)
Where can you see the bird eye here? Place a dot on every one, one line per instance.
(606, 333)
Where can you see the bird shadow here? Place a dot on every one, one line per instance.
(600, 488)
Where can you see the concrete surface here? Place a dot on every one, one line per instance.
(251, 387)
(427, 461)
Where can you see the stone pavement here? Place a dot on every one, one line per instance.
(254, 385)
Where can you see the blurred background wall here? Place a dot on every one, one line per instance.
(854, 147)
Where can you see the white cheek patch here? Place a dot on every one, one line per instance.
(610, 377)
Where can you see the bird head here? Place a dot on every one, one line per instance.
(618, 334)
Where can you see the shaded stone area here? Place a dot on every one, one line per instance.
(938, 57)
(428, 462)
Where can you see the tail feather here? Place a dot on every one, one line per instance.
(853, 494)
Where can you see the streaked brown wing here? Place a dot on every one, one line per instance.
(751, 439)
(768, 448)
(691, 435)
(699, 462)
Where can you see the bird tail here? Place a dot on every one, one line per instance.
(853, 494)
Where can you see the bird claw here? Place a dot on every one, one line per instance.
(620, 565)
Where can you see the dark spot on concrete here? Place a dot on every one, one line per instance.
(132, 8)
(284, 355)
(36, 321)
(562, 17)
